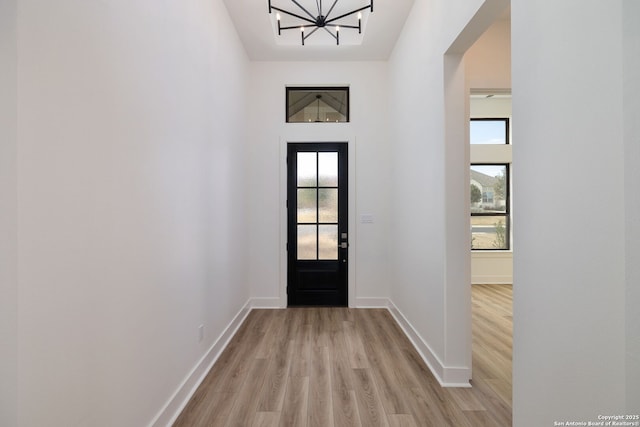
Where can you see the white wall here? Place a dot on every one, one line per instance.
(491, 266)
(8, 210)
(499, 106)
(569, 261)
(268, 134)
(631, 90)
(130, 203)
(432, 299)
(488, 62)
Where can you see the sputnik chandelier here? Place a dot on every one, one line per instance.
(312, 23)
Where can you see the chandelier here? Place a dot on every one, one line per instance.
(312, 22)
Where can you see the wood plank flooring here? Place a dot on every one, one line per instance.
(335, 367)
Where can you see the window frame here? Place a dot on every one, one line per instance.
(506, 214)
(507, 124)
(289, 89)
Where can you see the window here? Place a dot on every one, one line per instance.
(317, 205)
(489, 131)
(490, 198)
(490, 225)
(317, 104)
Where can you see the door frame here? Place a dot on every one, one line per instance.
(282, 244)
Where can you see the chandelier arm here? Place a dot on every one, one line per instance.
(331, 9)
(332, 35)
(305, 10)
(294, 15)
(311, 32)
(347, 14)
(304, 37)
(295, 27)
(355, 27)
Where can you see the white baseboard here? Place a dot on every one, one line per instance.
(169, 413)
(491, 280)
(446, 376)
(267, 303)
(372, 302)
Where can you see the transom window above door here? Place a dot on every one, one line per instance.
(317, 104)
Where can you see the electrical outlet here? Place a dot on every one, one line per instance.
(200, 333)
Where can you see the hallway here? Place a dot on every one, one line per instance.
(144, 209)
(352, 367)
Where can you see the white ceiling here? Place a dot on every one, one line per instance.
(253, 23)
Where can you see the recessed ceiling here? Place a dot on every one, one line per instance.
(256, 31)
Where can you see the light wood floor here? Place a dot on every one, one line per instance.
(352, 367)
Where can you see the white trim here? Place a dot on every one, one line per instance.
(266, 303)
(491, 267)
(372, 303)
(282, 249)
(174, 406)
(446, 376)
(493, 279)
(491, 254)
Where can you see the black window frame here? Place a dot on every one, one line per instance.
(495, 119)
(507, 212)
(289, 89)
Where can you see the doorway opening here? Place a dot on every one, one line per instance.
(479, 58)
(488, 75)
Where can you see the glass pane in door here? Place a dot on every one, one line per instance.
(307, 242)
(328, 205)
(307, 170)
(328, 242)
(307, 206)
(328, 169)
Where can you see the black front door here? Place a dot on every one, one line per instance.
(317, 224)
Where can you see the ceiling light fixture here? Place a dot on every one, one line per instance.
(323, 20)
